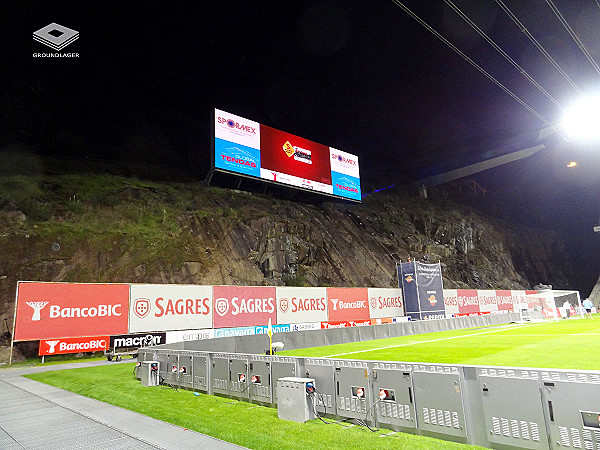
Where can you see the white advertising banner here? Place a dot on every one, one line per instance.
(451, 302)
(305, 326)
(301, 304)
(162, 307)
(385, 303)
(236, 129)
(189, 335)
(344, 163)
(519, 300)
(487, 301)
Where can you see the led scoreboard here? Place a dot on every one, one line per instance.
(248, 148)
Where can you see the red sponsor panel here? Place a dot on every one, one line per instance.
(532, 299)
(505, 300)
(382, 320)
(468, 301)
(60, 310)
(345, 323)
(73, 345)
(293, 155)
(348, 304)
(240, 306)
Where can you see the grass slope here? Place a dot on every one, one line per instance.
(245, 424)
(566, 344)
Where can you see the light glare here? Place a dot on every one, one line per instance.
(582, 120)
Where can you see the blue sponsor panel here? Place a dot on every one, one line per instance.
(431, 292)
(239, 331)
(345, 185)
(237, 158)
(408, 283)
(262, 329)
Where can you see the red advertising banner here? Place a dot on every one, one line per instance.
(505, 300)
(239, 306)
(468, 301)
(73, 345)
(348, 304)
(293, 155)
(345, 324)
(59, 310)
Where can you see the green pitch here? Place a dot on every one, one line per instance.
(565, 344)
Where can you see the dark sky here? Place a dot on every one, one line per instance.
(361, 76)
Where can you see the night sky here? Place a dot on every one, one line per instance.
(360, 76)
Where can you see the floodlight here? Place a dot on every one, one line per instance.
(582, 120)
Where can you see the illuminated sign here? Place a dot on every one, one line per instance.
(251, 149)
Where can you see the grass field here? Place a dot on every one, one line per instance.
(245, 424)
(566, 344)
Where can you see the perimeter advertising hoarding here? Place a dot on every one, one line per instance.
(239, 306)
(348, 304)
(385, 303)
(519, 299)
(73, 345)
(487, 301)
(249, 148)
(451, 302)
(161, 307)
(189, 335)
(137, 340)
(301, 304)
(468, 301)
(505, 300)
(61, 310)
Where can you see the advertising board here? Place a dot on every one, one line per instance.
(162, 307)
(61, 310)
(248, 148)
(189, 335)
(505, 300)
(73, 345)
(137, 340)
(451, 302)
(235, 331)
(239, 306)
(487, 301)
(345, 323)
(468, 301)
(301, 304)
(385, 303)
(346, 304)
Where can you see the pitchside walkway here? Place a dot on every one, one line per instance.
(35, 415)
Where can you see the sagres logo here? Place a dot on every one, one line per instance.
(37, 307)
(373, 302)
(222, 306)
(284, 305)
(51, 345)
(141, 307)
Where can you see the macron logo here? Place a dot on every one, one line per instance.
(37, 307)
(335, 302)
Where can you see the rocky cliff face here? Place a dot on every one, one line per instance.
(111, 229)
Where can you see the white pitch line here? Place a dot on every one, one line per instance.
(425, 342)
